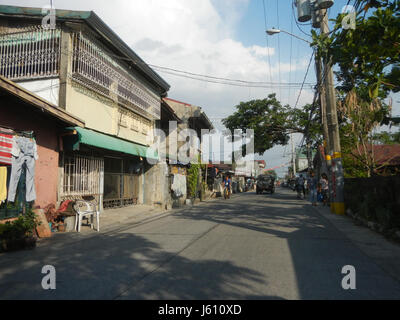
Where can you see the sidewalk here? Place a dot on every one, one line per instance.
(113, 221)
(385, 253)
(110, 221)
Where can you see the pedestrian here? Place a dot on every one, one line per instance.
(312, 187)
(319, 192)
(325, 188)
(300, 187)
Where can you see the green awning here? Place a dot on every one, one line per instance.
(103, 141)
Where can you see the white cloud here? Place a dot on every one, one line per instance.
(196, 36)
(262, 51)
(191, 35)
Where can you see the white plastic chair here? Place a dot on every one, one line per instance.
(86, 209)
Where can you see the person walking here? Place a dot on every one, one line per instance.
(312, 186)
(300, 187)
(324, 188)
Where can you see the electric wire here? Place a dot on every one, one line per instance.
(305, 78)
(268, 48)
(279, 49)
(216, 78)
(291, 53)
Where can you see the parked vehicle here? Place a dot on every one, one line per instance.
(265, 183)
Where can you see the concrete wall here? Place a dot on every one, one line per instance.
(47, 89)
(157, 186)
(105, 116)
(46, 176)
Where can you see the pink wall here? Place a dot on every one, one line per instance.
(20, 117)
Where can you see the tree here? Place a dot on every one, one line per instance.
(369, 55)
(272, 122)
(359, 117)
(368, 69)
(387, 138)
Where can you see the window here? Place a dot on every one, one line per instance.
(135, 123)
(81, 176)
(146, 127)
(123, 121)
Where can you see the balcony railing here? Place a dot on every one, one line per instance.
(34, 53)
(31, 54)
(94, 67)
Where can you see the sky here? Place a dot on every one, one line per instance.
(219, 38)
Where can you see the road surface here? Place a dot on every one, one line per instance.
(249, 247)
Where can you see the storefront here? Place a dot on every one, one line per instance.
(121, 181)
(107, 168)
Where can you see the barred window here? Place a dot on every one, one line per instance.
(81, 176)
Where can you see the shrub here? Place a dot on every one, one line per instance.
(17, 231)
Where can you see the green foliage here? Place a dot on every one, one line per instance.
(272, 122)
(359, 116)
(193, 179)
(387, 138)
(20, 228)
(369, 55)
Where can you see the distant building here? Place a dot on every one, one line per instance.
(302, 159)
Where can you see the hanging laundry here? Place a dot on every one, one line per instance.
(6, 145)
(24, 151)
(3, 184)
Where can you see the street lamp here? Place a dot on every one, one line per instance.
(273, 31)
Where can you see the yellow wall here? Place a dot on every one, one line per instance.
(104, 115)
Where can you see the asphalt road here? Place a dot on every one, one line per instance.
(249, 247)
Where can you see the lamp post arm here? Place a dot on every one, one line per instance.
(293, 35)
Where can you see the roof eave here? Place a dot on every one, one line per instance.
(39, 103)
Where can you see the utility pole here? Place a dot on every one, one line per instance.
(334, 149)
(293, 156)
(322, 100)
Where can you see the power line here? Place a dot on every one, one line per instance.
(291, 52)
(237, 84)
(268, 53)
(219, 78)
(279, 48)
(305, 78)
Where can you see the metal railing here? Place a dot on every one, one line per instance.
(32, 54)
(81, 176)
(94, 67)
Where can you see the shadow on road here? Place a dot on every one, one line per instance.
(123, 266)
(318, 250)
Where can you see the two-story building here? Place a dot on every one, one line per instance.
(83, 67)
(191, 118)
